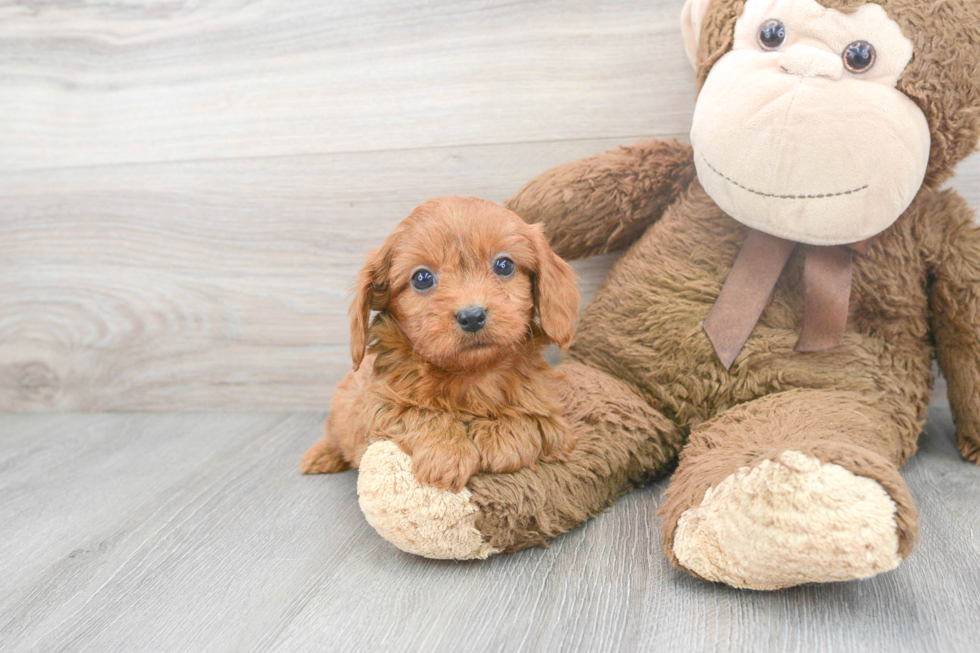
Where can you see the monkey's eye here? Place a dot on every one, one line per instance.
(422, 279)
(772, 34)
(859, 57)
(503, 267)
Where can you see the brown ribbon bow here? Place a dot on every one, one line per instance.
(827, 274)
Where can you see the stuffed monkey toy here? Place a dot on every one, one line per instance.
(769, 330)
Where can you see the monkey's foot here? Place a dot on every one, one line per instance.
(789, 520)
(416, 518)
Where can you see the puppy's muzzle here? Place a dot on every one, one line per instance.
(471, 318)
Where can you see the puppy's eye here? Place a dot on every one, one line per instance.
(503, 267)
(859, 57)
(772, 34)
(422, 279)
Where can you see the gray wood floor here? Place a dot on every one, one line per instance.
(194, 532)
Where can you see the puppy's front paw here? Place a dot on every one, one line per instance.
(506, 444)
(322, 458)
(446, 464)
(557, 440)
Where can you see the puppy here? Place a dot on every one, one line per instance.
(453, 372)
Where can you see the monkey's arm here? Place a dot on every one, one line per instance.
(605, 202)
(955, 306)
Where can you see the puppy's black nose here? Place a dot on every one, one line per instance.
(471, 318)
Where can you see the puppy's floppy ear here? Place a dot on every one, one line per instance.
(555, 291)
(371, 292)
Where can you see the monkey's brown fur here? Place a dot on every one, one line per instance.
(642, 375)
(458, 403)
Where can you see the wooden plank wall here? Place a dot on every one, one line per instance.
(187, 188)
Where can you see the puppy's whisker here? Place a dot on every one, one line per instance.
(530, 330)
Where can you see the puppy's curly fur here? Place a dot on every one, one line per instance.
(459, 402)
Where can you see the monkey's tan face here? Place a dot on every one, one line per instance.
(800, 132)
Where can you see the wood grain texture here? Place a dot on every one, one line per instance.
(143, 81)
(196, 532)
(188, 188)
(212, 284)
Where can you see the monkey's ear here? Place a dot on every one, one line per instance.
(691, 17)
(556, 293)
(371, 292)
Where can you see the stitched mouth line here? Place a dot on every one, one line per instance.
(782, 197)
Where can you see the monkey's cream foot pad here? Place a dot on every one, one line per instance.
(416, 518)
(789, 521)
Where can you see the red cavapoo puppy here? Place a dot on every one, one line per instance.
(454, 373)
